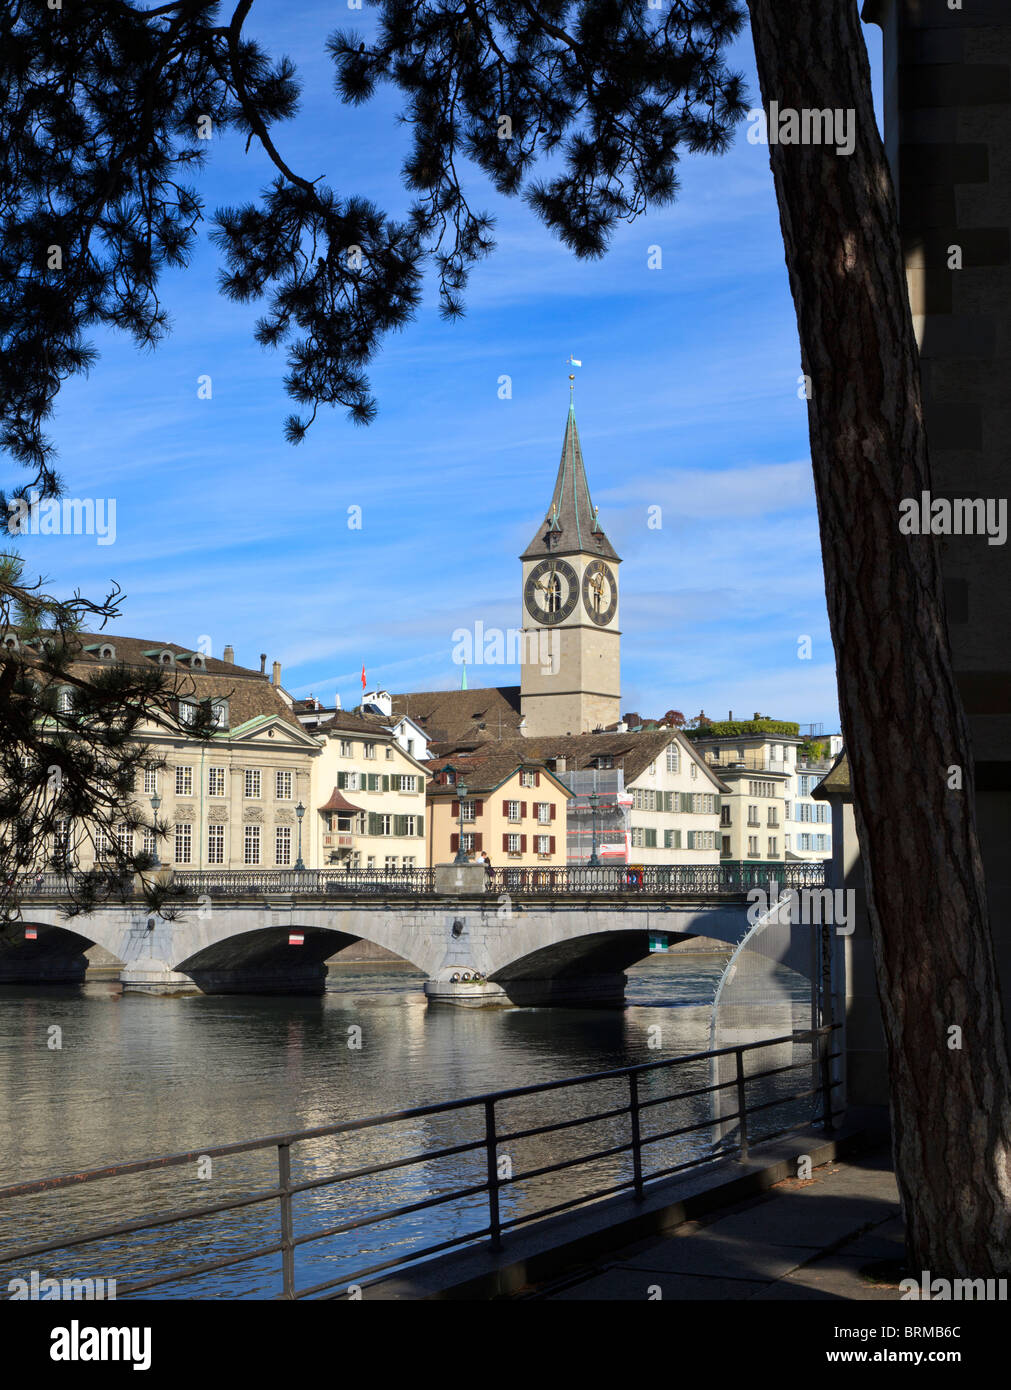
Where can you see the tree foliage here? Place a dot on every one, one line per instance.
(73, 751)
(102, 113)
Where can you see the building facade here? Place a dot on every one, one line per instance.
(513, 810)
(226, 802)
(769, 813)
(368, 798)
(659, 802)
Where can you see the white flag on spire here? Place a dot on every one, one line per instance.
(574, 361)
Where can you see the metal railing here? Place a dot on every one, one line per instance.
(663, 880)
(310, 882)
(728, 878)
(492, 1225)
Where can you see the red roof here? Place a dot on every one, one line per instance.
(338, 802)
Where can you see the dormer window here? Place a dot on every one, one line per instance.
(65, 700)
(219, 714)
(187, 712)
(11, 643)
(194, 660)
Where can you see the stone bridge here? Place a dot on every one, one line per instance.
(541, 944)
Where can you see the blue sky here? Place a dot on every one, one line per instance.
(687, 399)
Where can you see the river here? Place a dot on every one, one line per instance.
(133, 1077)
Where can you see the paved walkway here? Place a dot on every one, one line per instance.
(837, 1235)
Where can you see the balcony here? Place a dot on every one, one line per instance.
(338, 839)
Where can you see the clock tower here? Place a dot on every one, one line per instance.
(571, 677)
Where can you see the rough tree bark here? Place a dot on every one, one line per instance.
(902, 716)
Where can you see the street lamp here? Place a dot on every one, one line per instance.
(155, 804)
(300, 812)
(594, 862)
(461, 853)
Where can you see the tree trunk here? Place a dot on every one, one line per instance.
(902, 716)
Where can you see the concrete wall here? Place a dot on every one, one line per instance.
(947, 82)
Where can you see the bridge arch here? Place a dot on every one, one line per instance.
(268, 960)
(45, 948)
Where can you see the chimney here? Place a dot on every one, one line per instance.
(730, 716)
(229, 655)
(275, 679)
(263, 663)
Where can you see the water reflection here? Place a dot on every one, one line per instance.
(136, 1076)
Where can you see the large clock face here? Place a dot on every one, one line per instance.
(551, 591)
(600, 592)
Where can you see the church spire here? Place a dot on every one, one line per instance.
(571, 525)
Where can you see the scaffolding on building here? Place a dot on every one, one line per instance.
(612, 815)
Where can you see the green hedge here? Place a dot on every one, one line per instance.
(725, 728)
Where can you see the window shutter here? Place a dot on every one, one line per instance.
(373, 823)
(691, 839)
(456, 810)
(386, 782)
(553, 809)
(420, 823)
(399, 824)
(478, 808)
(537, 779)
(523, 810)
(551, 844)
(523, 844)
(505, 809)
(505, 844)
(479, 842)
(454, 844)
(342, 781)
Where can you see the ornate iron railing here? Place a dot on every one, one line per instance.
(630, 1142)
(662, 880)
(309, 882)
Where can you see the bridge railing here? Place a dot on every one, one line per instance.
(661, 879)
(638, 1157)
(690, 879)
(311, 882)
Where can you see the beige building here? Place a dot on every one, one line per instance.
(769, 813)
(368, 797)
(659, 800)
(571, 667)
(229, 801)
(513, 810)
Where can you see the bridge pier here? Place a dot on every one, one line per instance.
(149, 975)
(597, 991)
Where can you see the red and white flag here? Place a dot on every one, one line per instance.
(296, 938)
